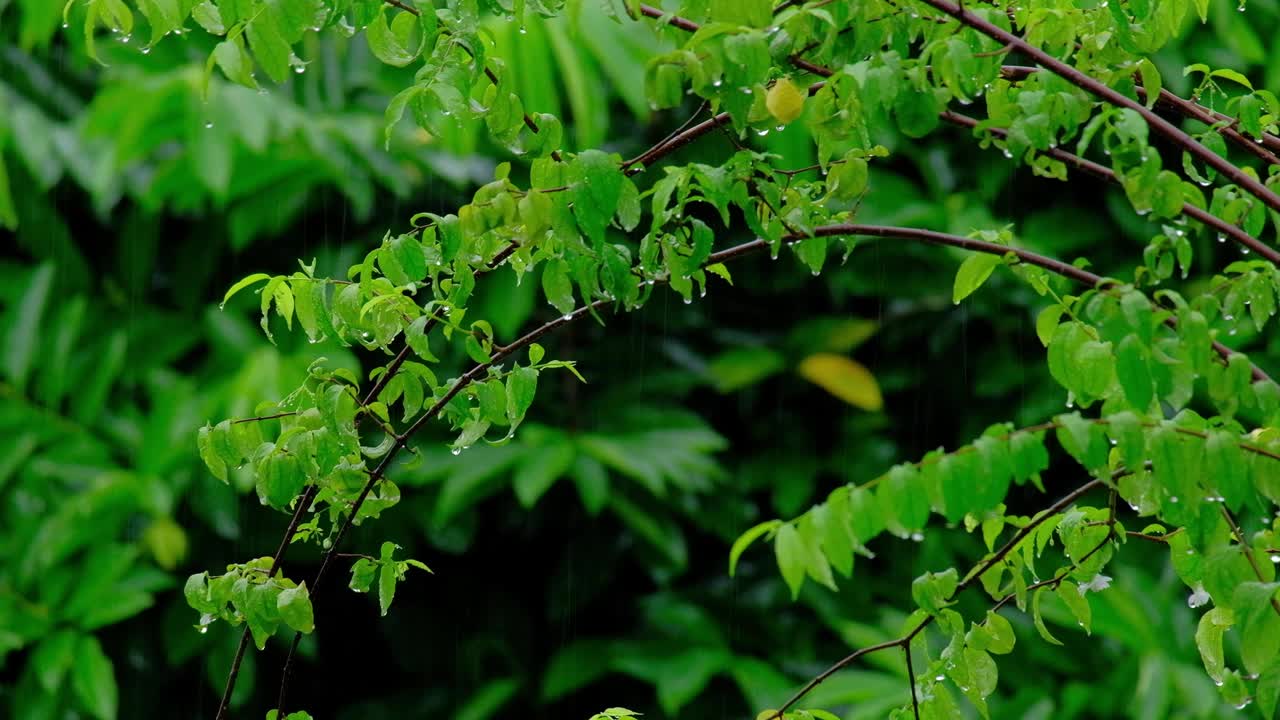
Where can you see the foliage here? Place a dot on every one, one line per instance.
(1174, 419)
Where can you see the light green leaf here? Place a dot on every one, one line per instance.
(93, 679)
(745, 539)
(972, 273)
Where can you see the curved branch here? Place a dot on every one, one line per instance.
(1094, 87)
(1105, 173)
(1188, 109)
(905, 640)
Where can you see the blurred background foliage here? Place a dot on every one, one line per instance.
(583, 565)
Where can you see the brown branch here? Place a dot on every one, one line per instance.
(905, 640)
(1094, 87)
(1105, 173)
(1225, 124)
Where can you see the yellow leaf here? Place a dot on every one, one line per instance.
(843, 378)
(784, 101)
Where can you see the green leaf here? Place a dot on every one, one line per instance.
(362, 574)
(387, 577)
(1038, 620)
(904, 498)
(738, 368)
(1209, 633)
(21, 343)
(792, 557)
(294, 605)
(1077, 602)
(242, 284)
(1259, 624)
(557, 286)
(93, 679)
(932, 591)
(53, 657)
(745, 539)
(1001, 633)
(522, 385)
(972, 273)
(539, 468)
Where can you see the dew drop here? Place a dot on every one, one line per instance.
(1222, 238)
(208, 124)
(568, 317)
(762, 132)
(1008, 153)
(746, 90)
(717, 83)
(1275, 559)
(146, 51)
(1218, 683)
(1204, 182)
(1173, 499)
(203, 629)
(688, 301)
(456, 451)
(780, 128)
(1246, 701)
(65, 26)
(917, 537)
(299, 69)
(125, 39)
(524, 30)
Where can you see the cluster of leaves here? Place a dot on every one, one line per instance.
(1142, 362)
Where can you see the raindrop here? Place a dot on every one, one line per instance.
(456, 451)
(917, 537)
(146, 51)
(568, 317)
(965, 101)
(1173, 499)
(511, 18)
(780, 128)
(717, 83)
(208, 124)
(688, 301)
(1244, 250)
(762, 132)
(299, 69)
(125, 39)
(1070, 404)
(1232, 331)
(1008, 153)
(524, 30)
(202, 629)
(1275, 559)
(649, 282)
(745, 90)
(1246, 701)
(1218, 683)
(1204, 182)
(1222, 238)
(939, 678)
(65, 25)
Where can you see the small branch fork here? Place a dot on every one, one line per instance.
(978, 571)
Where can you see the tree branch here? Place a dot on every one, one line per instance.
(1105, 173)
(1093, 86)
